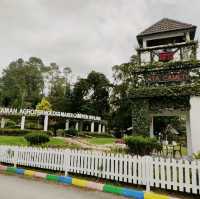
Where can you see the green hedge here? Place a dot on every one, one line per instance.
(11, 124)
(71, 132)
(19, 132)
(37, 138)
(140, 145)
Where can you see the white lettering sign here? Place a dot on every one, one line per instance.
(32, 112)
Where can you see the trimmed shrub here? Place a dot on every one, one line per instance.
(71, 132)
(140, 145)
(11, 124)
(19, 132)
(36, 138)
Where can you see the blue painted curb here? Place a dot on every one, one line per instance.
(133, 194)
(20, 171)
(65, 179)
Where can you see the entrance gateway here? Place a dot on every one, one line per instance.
(167, 79)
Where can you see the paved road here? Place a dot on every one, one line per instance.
(20, 188)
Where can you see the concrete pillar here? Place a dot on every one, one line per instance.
(92, 127)
(144, 43)
(23, 122)
(76, 126)
(151, 128)
(67, 125)
(103, 129)
(187, 36)
(99, 128)
(46, 123)
(194, 127)
(3, 122)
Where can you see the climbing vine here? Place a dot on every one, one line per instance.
(140, 116)
(174, 90)
(151, 95)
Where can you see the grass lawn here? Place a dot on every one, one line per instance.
(101, 141)
(20, 141)
(13, 140)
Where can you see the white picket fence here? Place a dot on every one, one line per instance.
(181, 175)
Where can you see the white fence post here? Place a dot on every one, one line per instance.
(148, 164)
(145, 169)
(66, 161)
(15, 156)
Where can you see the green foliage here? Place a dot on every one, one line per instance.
(174, 90)
(118, 134)
(158, 104)
(122, 115)
(71, 132)
(167, 66)
(121, 104)
(10, 124)
(140, 116)
(44, 105)
(197, 155)
(53, 143)
(19, 132)
(59, 87)
(22, 83)
(140, 145)
(91, 95)
(37, 138)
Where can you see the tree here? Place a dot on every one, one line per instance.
(59, 87)
(80, 102)
(44, 105)
(99, 91)
(124, 79)
(22, 83)
(91, 95)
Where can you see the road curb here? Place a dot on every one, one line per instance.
(67, 180)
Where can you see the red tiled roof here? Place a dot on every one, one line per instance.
(165, 25)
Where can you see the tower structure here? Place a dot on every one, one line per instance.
(167, 78)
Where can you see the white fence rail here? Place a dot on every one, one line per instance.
(171, 174)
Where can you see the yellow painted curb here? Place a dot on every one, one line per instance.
(80, 183)
(154, 196)
(29, 173)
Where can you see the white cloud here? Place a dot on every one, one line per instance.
(82, 34)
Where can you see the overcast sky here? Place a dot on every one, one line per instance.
(83, 34)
